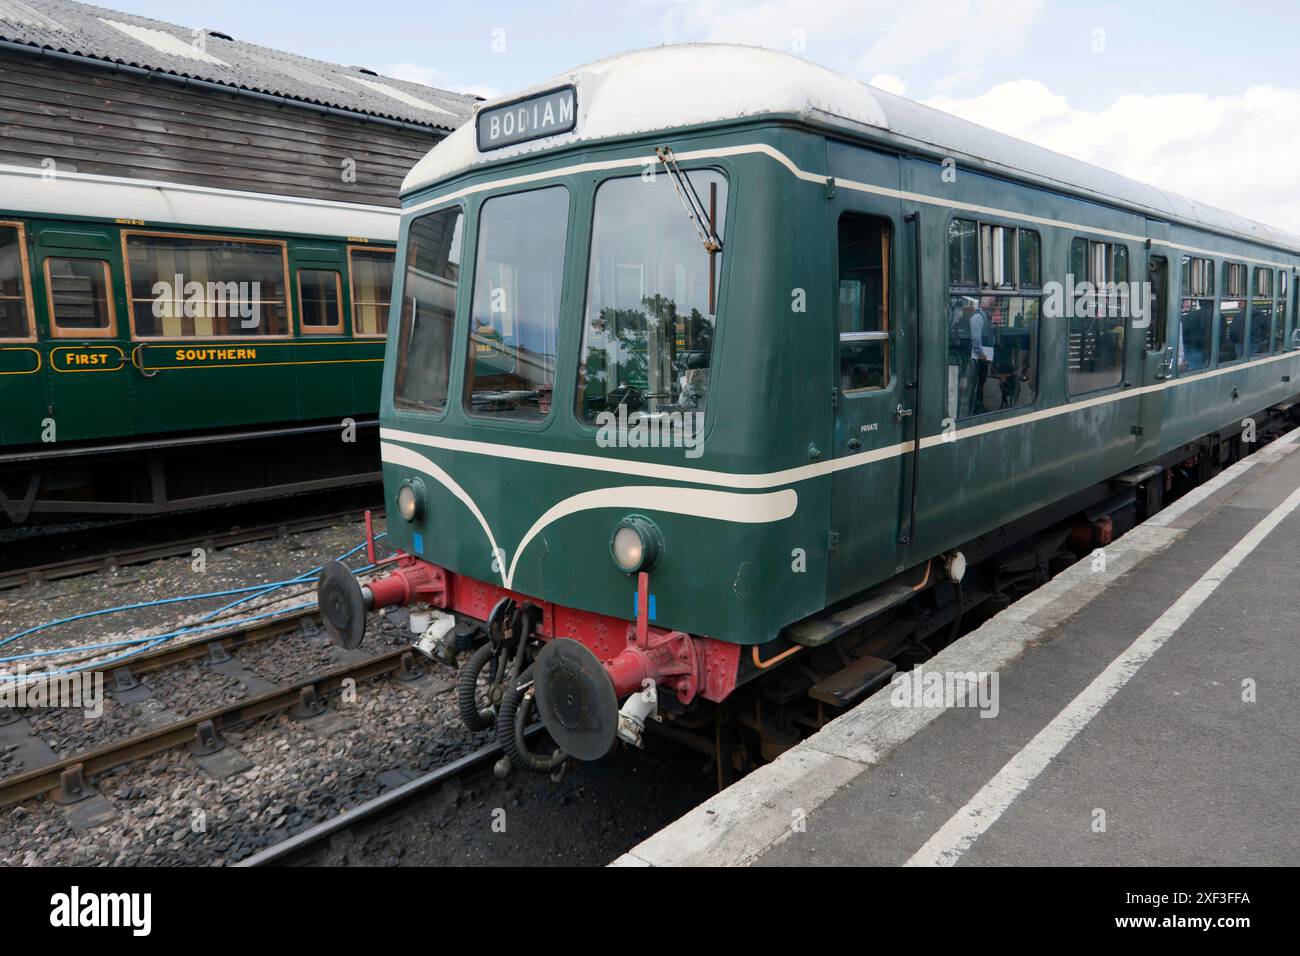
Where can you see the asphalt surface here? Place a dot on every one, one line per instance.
(1194, 760)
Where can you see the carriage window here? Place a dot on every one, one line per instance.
(1031, 260)
(428, 312)
(201, 287)
(647, 341)
(863, 304)
(963, 254)
(515, 313)
(1232, 314)
(372, 288)
(319, 292)
(1197, 323)
(1261, 313)
(15, 322)
(1158, 304)
(1099, 315)
(993, 338)
(1279, 327)
(80, 300)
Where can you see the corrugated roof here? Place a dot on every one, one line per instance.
(111, 36)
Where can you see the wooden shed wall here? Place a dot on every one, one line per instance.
(94, 120)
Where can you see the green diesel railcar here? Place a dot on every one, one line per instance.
(166, 346)
(704, 359)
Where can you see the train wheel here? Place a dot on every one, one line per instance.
(472, 714)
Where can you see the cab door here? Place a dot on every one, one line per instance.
(872, 341)
(1155, 350)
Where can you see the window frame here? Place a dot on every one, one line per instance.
(590, 196)
(455, 363)
(303, 327)
(1258, 271)
(28, 299)
(1194, 293)
(1014, 291)
(1226, 267)
(1287, 299)
(1159, 320)
(352, 300)
(463, 378)
(130, 298)
(1111, 247)
(57, 331)
(887, 304)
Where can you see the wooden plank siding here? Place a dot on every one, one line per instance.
(93, 120)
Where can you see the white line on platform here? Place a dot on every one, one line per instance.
(956, 836)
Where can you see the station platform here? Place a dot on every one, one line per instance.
(1145, 714)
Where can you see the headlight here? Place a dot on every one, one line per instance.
(636, 545)
(410, 499)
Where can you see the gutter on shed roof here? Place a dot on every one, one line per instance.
(276, 98)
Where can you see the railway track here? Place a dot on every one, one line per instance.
(102, 552)
(67, 779)
(303, 846)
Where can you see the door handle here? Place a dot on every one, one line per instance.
(900, 413)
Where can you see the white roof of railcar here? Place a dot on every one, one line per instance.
(675, 86)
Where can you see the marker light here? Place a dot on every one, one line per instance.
(636, 545)
(410, 499)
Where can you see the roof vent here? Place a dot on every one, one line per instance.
(221, 36)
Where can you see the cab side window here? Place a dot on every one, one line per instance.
(862, 302)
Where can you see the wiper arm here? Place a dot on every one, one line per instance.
(703, 220)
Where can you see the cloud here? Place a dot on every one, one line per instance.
(865, 37)
(889, 83)
(428, 76)
(1234, 151)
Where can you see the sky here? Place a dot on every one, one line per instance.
(1201, 98)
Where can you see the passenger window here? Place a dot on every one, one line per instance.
(992, 337)
(963, 254)
(80, 302)
(1283, 296)
(1232, 314)
(205, 286)
(1261, 313)
(515, 312)
(647, 341)
(371, 274)
(15, 306)
(1196, 324)
(1158, 304)
(319, 297)
(863, 302)
(428, 310)
(1099, 274)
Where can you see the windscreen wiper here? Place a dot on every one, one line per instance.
(703, 220)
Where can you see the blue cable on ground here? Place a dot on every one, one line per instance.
(154, 640)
